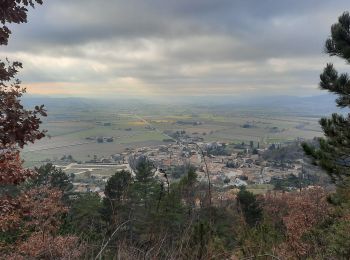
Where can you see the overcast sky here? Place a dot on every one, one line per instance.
(155, 48)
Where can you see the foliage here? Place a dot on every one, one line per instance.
(29, 219)
(295, 214)
(259, 240)
(49, 175)
(333, 153)
(12, 172)
(84, 218)
(176, 171)
(143, 216)
(145, 188)
(216, 149)
(116, 197)
(13, 12)
(250, 206)
(287, 153)
(291, 182)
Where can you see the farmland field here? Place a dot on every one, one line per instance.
(73, 131)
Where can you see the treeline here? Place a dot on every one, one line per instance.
(142, 216)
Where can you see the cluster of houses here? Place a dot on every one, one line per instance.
(230, 169)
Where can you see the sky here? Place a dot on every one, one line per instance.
(173, 48)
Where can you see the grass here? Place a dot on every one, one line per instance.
(259, 189)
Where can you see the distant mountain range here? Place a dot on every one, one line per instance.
(315, 105)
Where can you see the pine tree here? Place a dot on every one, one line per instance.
(250, 207)
(49, 175)
(145, 188)
(333, 153)
(117, 197)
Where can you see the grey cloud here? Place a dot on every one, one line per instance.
(169, 43)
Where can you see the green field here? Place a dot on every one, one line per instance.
(260, 188)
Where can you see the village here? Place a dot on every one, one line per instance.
(228, 166)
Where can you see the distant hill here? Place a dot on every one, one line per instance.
(54, 103)
(313, 105)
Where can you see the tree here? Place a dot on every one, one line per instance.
(333, 153)
(146, 194)
(296, 214)
(143, 168)
(145, 187)
(117, 196)
(117, 185)
(84, 217)
(13, 12)
(187, 186)
(18, 126)
(250, 206)
(29, 219)
(49, 175)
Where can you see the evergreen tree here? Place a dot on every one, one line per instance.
(333, 153)
(146, 187)
(54, 177)
(84, 218)
(187, 186)
(250, 206)
(143, 168)
(116, 192)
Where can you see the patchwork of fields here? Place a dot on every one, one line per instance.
(143, 126)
